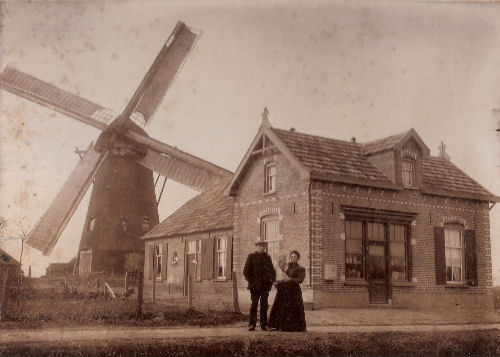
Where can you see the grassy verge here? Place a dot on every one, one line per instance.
(61, 310)
(477, 343)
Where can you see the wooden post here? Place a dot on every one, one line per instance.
(5, 295)
(236, 304)
(66, 290)
(139, 295)
(154, 272)
(190, 291)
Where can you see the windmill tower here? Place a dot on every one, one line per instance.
(121, 163)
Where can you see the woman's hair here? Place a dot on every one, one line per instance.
(296, 253)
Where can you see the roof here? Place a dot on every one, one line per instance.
(383, 144)
(6, 258)
(210, 210)
(441, 174)
(346, 161)
(330, 157)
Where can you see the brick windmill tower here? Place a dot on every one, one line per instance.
(121, 163)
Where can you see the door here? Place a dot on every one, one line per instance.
(377, 273)
(191, 263)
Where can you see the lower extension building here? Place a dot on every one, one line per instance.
(381, 222)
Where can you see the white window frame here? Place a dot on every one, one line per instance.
(221, 251)
(273, 247)
(448, 256)
(159, 261)
(410, 173)
(270, 177)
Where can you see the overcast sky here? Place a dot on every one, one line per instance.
(327, 68)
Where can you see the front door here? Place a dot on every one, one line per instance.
(377, 273)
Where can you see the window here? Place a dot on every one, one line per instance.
(353, 249)
(91, 225)
(270, 180)
(408, 173)
(221, 257)
(454, 255)
(158, 260)
(367, 245)
(397, 247)
(269, 232)
(194, 252)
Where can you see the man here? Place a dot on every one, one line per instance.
(260, 274)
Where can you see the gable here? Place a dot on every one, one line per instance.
(265, 142)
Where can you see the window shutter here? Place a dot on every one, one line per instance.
(470, 257)
(440, 255)
(150, 258)
(164, 261)
(229, 257)
(207, 258)
(409, 250)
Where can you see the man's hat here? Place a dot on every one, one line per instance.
(261, 242)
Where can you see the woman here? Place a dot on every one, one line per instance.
(287, 313)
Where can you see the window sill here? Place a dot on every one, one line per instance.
(220, 280)
(355, 282)
(404, 284)
(457, 285)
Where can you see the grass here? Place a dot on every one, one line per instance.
(461, 343)
(66, 310)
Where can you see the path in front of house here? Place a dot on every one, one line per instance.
(319, 321)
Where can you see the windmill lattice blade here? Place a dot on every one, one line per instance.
(160, 76)
(47, 231)
(161, 157)
(48, 95)
(190, 175)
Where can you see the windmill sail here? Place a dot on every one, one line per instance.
(48, 95)
(47, 231)
(178, 165)
(160, 76)
(188, 174)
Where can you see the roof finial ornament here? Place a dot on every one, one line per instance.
(442, 151)
(265, 119)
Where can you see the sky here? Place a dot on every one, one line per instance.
(329, 68)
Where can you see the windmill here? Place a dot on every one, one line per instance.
(121, 163)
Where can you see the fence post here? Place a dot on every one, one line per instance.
(236, 304)
(5, 295)
(190, 291)
(139, 295)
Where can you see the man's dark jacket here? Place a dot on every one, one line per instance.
(259, 272)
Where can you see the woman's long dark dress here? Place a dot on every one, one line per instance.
(287, 313)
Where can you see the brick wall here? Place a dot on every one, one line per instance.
(328, 238)
(214, 294)
(290, 202)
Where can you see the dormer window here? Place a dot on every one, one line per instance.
(408, 172)
(270, 178)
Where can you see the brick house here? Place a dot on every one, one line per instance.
(197, 240)
(381, 222)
